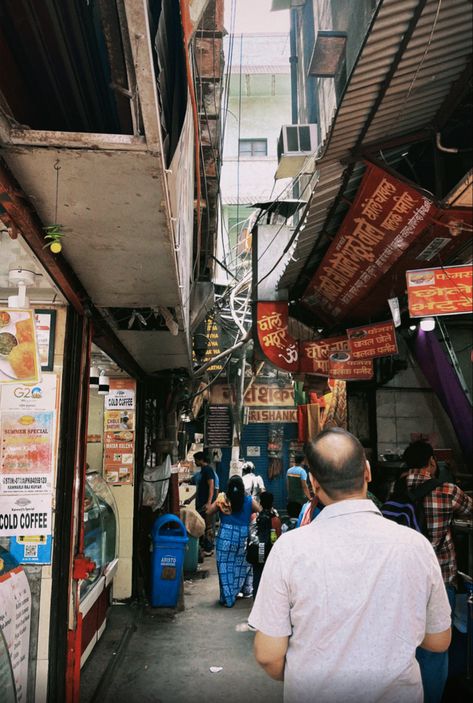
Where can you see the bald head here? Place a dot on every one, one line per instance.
(337, 461)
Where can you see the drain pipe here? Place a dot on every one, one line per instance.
(293, 60)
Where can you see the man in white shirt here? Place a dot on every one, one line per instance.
(344, 602)
(254, 485)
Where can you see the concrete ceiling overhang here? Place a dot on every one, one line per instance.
(117, 239)
(111, 208)
(115, 207)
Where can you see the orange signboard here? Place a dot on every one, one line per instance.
(372, 341)
(385, 218)
(331, 358)
(440, 291)
(272, 319)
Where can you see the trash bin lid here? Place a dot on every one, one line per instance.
(161, 522)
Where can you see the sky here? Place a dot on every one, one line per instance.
(254, 16)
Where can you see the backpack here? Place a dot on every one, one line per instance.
(259, 539)
(406, 505)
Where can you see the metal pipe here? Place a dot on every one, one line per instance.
(222, 355)
(446, 149)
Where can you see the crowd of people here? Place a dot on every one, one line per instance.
(366, 600)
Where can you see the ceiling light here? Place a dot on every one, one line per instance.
(104, 384)
(94, 377)
(427, 324)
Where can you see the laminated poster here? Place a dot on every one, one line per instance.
(15, 618)
(19, 358)
(28, 437)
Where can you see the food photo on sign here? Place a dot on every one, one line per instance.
(19, 359)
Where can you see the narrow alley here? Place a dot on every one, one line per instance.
(165, 657)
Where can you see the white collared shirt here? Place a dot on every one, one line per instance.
(356, 594)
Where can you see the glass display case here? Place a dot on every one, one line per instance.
(100, 529)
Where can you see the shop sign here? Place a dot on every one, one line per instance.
(25, 515)
(261, 394)
(219, 426)
(119, 432)
(19, 357)
(213, 346)
(272, 415)
(372, 341)
(331, 358)
(273, 337)
(383, 221)
(257, 395)
(221, 394)
(15, 620)
(121, 395)
(440, 291)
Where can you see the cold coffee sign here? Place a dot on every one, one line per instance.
(25, 515)
(119, 431)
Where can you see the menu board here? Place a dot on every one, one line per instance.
(219, 426)
(119, 431)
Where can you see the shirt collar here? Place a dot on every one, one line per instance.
(348, 507)
(422, 473)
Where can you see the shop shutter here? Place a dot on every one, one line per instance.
(256, 435)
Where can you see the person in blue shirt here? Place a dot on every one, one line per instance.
(204, 498)
(234, 572)
(297, 488)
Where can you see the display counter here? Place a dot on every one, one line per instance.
(100, 546)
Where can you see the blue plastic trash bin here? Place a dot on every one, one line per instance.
(169, 541)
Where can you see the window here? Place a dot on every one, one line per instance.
(253, 147)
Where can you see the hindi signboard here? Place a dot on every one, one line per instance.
(440, 291)
(272, 319)
(386, 216)
(331, 358)
(372, 341)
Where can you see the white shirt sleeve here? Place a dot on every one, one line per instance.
(271, 611)
(438, 608)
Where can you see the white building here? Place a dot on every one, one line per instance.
(258, 102)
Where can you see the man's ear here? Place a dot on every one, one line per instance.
(314, 484)
(367, 472)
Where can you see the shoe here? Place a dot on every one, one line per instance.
(247, 595)
(208, 554)
(250, 627)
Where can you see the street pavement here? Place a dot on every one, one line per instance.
(165, 657)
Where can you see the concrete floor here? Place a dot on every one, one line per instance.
(166, 658)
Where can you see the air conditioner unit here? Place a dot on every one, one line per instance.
(286, 4)
(296, 143)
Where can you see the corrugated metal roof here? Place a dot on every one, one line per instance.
(435, 56)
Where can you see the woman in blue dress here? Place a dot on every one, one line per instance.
(234, 572)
